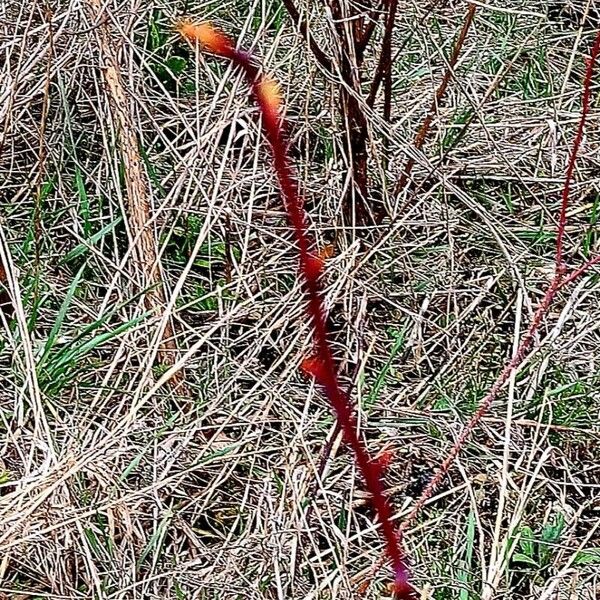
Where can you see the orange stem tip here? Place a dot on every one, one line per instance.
(209, 37)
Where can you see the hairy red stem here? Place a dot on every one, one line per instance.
(555, 285)
(322, 366)
(585, 109)
(559, 281)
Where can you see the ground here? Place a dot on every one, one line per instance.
(209, 466)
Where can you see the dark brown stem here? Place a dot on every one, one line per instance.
(338, 18)
(465, 126)
(352, 38)
(367, 33)
(228, 249)
(384, 66)
(356, 200)
(6, 305)
(356, 204)
(304, 30)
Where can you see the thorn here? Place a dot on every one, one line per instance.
(385, 458)
(313, 367)
(363, 587)
(313, 266)
(327, 251)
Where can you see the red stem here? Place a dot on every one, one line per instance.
(327, 372)
(559, 281)
(585, 109)
(323, 366)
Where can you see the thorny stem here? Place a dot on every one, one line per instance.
(585, 109)
(514, 362)
(322, 366)
(559, 281)
(577, 273)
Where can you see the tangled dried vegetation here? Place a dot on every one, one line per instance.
(157, 437)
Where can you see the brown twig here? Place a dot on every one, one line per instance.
(384, 65)
(439, 94)
(367, 32)
(228, 248)
(353, 36)
(6, 305)
(304, 30)
(338, 20)
(474, 113)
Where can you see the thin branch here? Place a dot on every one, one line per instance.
(304, 30)
(577, 273)
(428, 12)
(562, 221)
(384, 66)
(425, 126)
(556, 284)
(42, 156)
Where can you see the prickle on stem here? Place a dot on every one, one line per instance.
(313, 367)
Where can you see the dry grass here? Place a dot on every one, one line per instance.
(116, 485)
